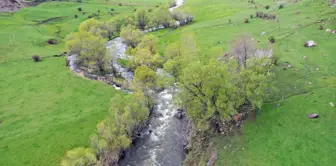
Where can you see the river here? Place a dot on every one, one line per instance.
(162, 142)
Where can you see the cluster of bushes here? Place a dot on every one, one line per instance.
(89, 43)
(267, 16)
(182, 16)
(114, 134)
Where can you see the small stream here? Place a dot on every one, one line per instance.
(162, 142)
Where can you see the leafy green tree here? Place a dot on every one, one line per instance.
(109, 140)
(91, 49)
(131, 36)
(162, 17)
(80, 157)
(173, 67)
(150, 42)
(87, 25)
(173, 50)
(145, 80)
(141, 18)
(207, 91)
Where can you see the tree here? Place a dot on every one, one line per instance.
(208, 92)
(141, 18)
(173, 67)
(242, 49)
(109, 141)
(173, 50)
(94, 51)
(149, 42)
(182, 15)
(131, 36)
(145, 80)
(162, 17)
(80, 157)
(87, 25)
(90, 48)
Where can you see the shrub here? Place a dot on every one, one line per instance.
(76, 16)
(271, 39)
(251, 16)
(79, 9)
(150, 10)
(320, 27)
(267, 7)
(36, 58)
(52, 41)
(281, 6)
(79, 1)
(112, 9)
(98, 11)
(120, 4)
(230, 21)
(246, 21)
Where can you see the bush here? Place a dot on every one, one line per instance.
(79, 9)
(120, 4)
(76, 16)
(98, 11)
(267, 7)
(320, 27)
(79, 1)
(36, 58)
(281, 6)
(271, 39)
(112, 9)
(251, 16)
(246, 21)
(52, 41)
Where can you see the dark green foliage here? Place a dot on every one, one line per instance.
(251, 16)
(246, 21)
(75, 16)
(112, 9)
(281, 6)
(271, 39)
(36, 58)
(320, 27)
(267, 7)
(79, 9)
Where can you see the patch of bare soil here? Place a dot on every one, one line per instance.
(12, 5)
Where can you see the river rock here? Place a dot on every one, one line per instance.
(313, 116)
(179, 114)
(310, 43)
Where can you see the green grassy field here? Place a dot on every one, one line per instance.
(283, 135)
(45, 109)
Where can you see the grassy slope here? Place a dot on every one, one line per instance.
(45, 110)
(284, 135)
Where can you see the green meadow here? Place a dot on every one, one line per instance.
(305, 79)
(46, 110)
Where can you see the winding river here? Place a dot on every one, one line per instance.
(162, 142)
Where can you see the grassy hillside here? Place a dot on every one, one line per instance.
(46, 110)
(280, 135)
